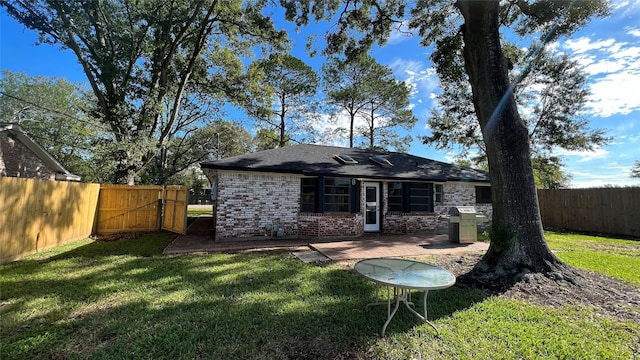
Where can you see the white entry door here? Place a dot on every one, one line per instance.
(372, 207)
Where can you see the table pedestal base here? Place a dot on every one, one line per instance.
(403, 295)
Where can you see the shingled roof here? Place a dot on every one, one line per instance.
(318, 160)
(60, 172)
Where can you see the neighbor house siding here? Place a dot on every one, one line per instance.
(250, 203)
(17, 160)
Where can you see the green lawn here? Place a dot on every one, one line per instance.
(194, 212)
(613, 257)
(123, 299)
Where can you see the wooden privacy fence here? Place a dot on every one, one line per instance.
(604, 210)
(37, 214)
(124, 208)
(176, 200)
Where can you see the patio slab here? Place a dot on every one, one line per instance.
(310, 256)
(199, 239)
(373, 246)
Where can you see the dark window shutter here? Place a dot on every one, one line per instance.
(355, 198)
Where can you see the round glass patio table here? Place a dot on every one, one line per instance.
(403, 276)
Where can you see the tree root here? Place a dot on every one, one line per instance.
(558, 284)
(500, 278)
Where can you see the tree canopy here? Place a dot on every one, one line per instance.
(635, 170)
(142, 59)
(284, 102)
(552, 99)
(53, 112)
(468, 32)
(210, 140)
(361, 88)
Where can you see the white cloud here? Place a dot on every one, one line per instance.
(329, 126)
(603, 67)
(614, 70)
(613, 174)
(326, 126)
(583, 156)
(633, 32)
(585, 44)
(625, 9)
(615, 94)
(420, 79)
(634, 138)
(450, 157)
(403, 67)
(599, 183)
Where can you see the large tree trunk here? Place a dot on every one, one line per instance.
(517, 245)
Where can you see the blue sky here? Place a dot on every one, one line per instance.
(609, 50)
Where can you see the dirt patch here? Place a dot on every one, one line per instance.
(609, 296)
(120, 236)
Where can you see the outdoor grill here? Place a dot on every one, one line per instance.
(463, 224)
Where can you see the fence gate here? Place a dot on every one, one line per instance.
(174, 210)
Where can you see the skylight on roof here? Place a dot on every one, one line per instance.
(384, 162)
(345, 159)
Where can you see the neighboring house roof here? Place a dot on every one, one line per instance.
(318, 160)
(17, 132)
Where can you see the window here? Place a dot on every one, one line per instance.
(309, 188)
(394, 196)
(438, 193)
(320, 195)
(337, 194)
(483, 194)
(410, 197)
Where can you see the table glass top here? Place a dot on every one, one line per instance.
(405, 273)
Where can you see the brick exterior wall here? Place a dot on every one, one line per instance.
(454, 194)
(395, 222)
(407, 223)
(249, 203)
(460, 194)
(17, 160)
(330, 225)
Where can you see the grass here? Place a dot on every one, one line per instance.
(193, 212)
(123, 299)
(613, 257)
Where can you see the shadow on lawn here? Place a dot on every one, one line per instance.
(120, 300)
(440, 303)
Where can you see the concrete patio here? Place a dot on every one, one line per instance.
(199, 239)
